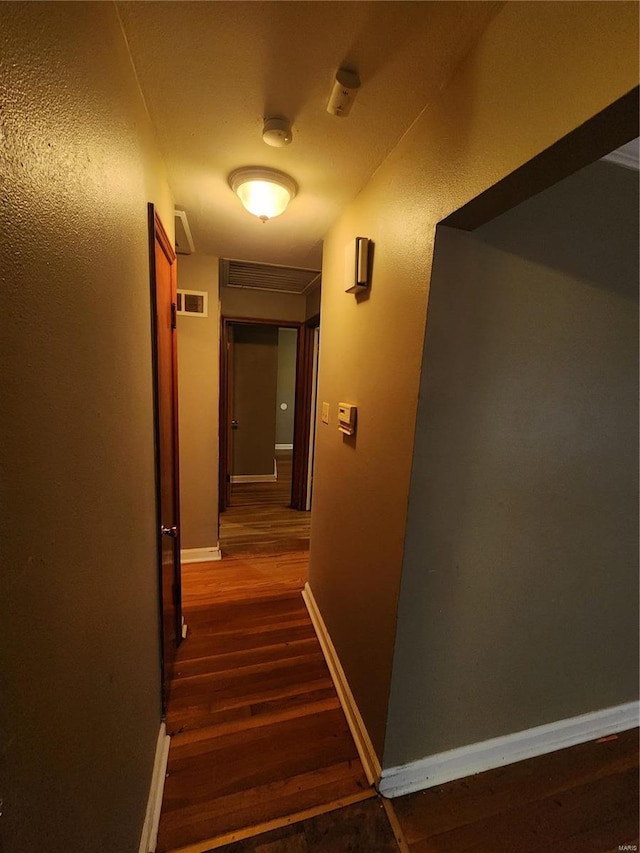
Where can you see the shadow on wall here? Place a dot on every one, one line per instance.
(551, 242)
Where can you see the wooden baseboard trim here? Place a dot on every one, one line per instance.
(497, 752)
(200, 555)
(367, 753)
(277, 823)
(149, 836)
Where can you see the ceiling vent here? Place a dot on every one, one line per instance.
(184, 240)
(270, 277)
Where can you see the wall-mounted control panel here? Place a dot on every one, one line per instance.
(347, 418)
(325, 413)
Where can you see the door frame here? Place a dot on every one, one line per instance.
(156, 232)
(302, 426)
(225, 415)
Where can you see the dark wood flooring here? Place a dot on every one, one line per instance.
(360, 828)
(258, 519)
(578, 800)
(258, 737)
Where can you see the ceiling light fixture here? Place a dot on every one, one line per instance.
(264, 192)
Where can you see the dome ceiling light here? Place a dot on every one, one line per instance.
(264, 192)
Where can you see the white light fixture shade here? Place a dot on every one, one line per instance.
(264, 192)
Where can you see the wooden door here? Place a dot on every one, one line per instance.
(253, 387)
(163, 295)
(230, 424)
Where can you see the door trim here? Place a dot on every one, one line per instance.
(302, 424)
(156, 232)
(223, 438)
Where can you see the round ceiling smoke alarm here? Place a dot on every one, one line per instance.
(277, 132)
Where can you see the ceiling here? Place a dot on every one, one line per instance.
(210, 72)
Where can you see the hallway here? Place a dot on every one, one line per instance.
(258, 737)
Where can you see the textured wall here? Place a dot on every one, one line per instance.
(312, 306)
(520, 578)
(287, 352)
(198, 388)
(80, 684)
(262, 304)
(539, 71)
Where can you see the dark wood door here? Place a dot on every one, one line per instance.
(230, 423)
(163, 288)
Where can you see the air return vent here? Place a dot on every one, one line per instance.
(267, 277)
(193, 302)
(184, 240)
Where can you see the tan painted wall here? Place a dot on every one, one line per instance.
(540, 70)
(80, 684)
(262, 304)
(198, 390)
(312, 303)
(520, 576)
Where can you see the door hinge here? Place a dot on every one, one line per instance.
(174, 315)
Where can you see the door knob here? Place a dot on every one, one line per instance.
(234, 424)
(169, 531)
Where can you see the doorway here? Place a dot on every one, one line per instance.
(264, 436)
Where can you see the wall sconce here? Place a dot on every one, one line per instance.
(264, 192)
(361, 271)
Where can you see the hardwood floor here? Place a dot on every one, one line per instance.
(258, 735)
(578, 800)
(258, 519)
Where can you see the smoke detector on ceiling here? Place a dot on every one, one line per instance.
(277, 131)
(345, 88)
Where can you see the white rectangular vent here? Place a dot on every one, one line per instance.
(184, 240)
(193, 302)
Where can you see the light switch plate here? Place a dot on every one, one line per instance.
(325, 413)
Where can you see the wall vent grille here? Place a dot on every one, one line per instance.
(193, 302)
(277, 279)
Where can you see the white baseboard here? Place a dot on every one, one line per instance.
(367, 753)
(477, 757)
(284, 446)
(149, 837)
(253, 478)
(200, 555)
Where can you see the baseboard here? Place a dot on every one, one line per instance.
(253, 478)
(257, 478)
(487, 755)
(367, 753)
(149, 837)
(284, 446)
(200, 555)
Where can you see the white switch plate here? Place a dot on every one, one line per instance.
(325, 413)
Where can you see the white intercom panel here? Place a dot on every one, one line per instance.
(347, 418)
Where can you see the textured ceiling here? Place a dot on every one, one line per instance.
(211, 71)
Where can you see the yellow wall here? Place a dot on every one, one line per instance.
(80, 654)
(262, 304)
(539, 71)
(198, 387)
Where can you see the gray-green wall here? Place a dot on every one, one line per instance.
(287, 351)
(518, 603)
(79, 656)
